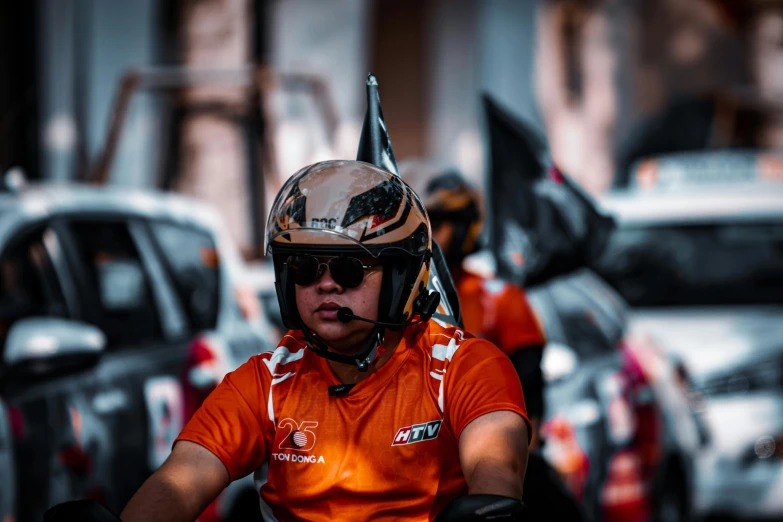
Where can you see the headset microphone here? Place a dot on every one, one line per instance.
(428, 306)
(345, 315)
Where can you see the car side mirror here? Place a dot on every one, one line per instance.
(43, 346)
(121, 285)
(558, 362)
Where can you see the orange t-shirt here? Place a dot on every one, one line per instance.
(499, 312)
(387, 450)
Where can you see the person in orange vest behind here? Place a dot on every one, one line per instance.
(499, 311)
(493, 309)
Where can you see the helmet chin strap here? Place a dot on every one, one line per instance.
(362, 359)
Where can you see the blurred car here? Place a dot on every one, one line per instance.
(698, 253)
(618, 428)
(743, 472)
(120, 311)
(260, 276)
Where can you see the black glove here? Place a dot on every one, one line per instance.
(80, 511)
(478, 508)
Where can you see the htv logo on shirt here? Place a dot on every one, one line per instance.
(417, 433)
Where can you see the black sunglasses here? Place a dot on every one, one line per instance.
(346, 271)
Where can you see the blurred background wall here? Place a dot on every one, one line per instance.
(589, 73)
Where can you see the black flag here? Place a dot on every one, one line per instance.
(516, 157)
(375, 147)
(543, 224)
(374, 144)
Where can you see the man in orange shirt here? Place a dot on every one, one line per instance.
(491, 308)
(368, 409)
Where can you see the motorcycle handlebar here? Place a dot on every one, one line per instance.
(80, 511)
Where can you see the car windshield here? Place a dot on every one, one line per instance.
(696, 264)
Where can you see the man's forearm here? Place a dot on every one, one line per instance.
(497, 478)
(162, 499)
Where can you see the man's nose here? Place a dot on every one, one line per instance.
(328, 285)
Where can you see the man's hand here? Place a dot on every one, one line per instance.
(181, 489)
(493, 454)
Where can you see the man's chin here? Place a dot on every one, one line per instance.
(340, 337)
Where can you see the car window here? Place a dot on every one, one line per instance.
(117, 285)
(28, 282)
(192, 260)
(696, 264)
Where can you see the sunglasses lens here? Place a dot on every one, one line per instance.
(304, 269)
(347, 271)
